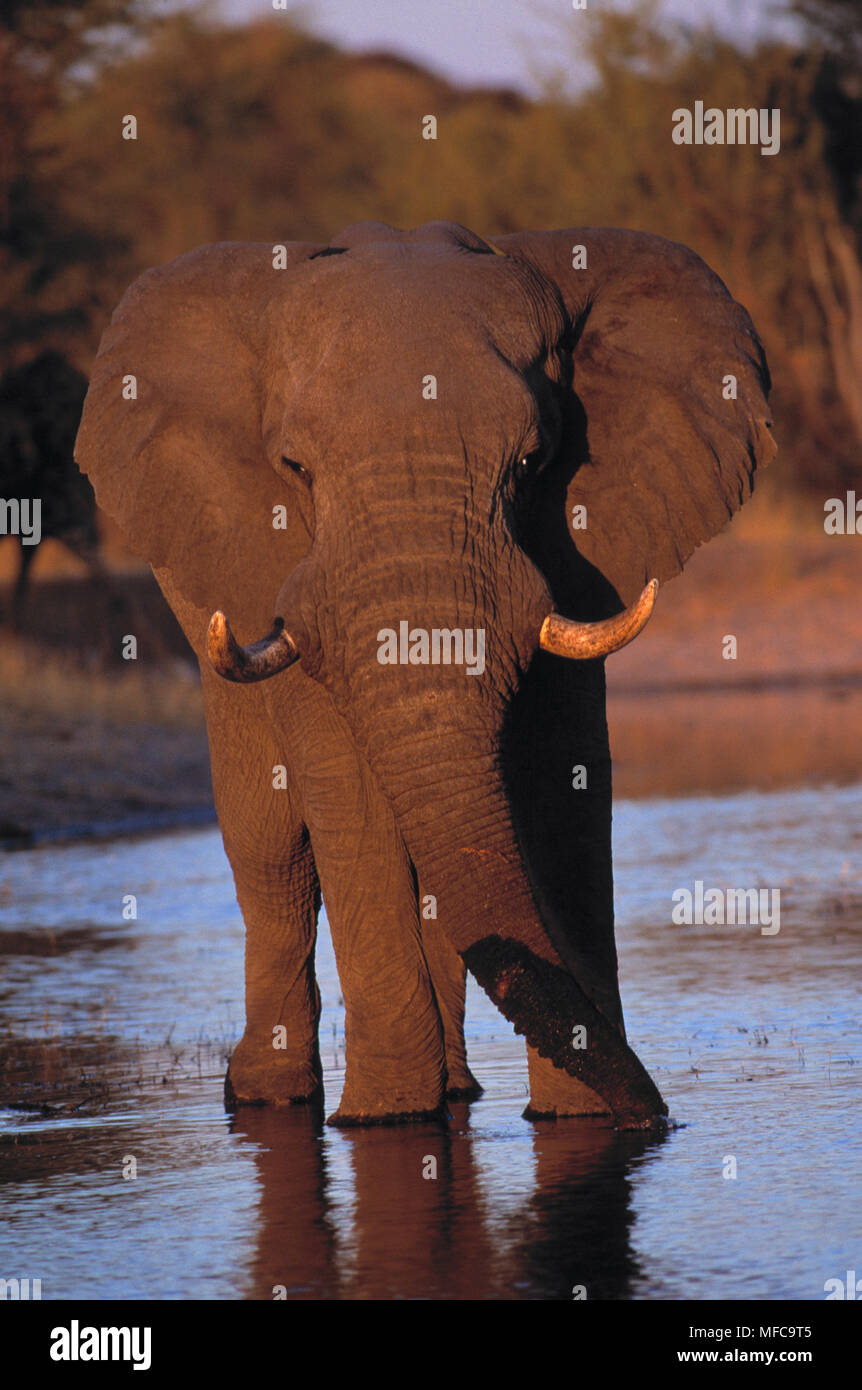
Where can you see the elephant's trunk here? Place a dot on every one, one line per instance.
(455, 820)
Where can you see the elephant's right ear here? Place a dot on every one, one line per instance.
(667, 410)
(173, 434)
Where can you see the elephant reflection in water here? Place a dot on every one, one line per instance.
(395, 432)
(413, 1235)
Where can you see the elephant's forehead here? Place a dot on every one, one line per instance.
(405, 299)
(418, 351)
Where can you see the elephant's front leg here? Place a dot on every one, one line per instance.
(396, 1066)
(449, 977)
(277, 1059)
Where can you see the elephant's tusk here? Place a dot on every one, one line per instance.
(256, 662)
(583, 641)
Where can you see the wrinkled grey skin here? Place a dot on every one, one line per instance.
(307, 387)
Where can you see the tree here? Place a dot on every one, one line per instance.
(837, 24)
(48, 49)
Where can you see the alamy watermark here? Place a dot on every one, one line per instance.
(843, 515)
(21, 516)
(849, 1288)
(77, 1343)
(441, 646)
(711, 907)
(737, 126)
(20, 1289)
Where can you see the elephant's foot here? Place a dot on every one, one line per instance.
(472, 1092)
(461, 1084)
(405, 1102)
(555, 1094)
(270, 1079)
(343, 1120)
(587, 1109)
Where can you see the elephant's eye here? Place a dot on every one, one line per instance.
(530, 464)
(298, 468)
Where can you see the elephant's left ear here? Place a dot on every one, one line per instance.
(668, 418)
(182, 426)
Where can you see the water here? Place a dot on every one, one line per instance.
(116, 1034)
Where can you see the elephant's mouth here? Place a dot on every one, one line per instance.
(561, 636)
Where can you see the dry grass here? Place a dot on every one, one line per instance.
(90, 740)
(37, 681)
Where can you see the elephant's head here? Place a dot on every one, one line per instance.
(390, 437)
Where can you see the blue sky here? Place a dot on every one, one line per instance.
(485, 41)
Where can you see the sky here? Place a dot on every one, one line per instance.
(485, 42)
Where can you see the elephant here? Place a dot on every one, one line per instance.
(509, 442)
(40, 410)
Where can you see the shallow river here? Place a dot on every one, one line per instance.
(115, 1033)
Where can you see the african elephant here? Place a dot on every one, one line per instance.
(385, 438)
